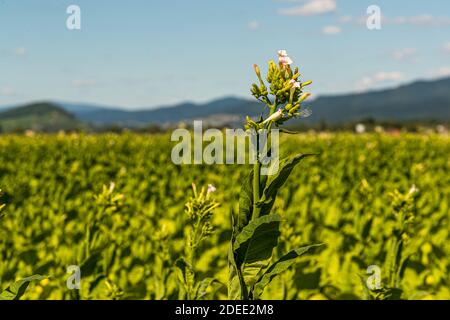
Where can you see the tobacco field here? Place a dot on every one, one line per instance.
(114, 205)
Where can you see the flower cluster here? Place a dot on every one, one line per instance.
(200, 208)
(286, 89)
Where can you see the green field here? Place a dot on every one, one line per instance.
(61, 210)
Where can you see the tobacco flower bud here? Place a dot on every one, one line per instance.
(257, 71)
(275, 116)
(304, 96)
(306, 83)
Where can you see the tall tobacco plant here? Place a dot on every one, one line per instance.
(199, 208)
(256, 229)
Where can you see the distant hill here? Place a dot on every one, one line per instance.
(38, 117)
(418, 101)
(228, 109)
(421, 100)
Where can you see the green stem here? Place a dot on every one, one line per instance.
(257, 169)
(256, 179)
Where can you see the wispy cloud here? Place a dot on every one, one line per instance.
(382, 76)
(446, 47)
(388, 76)
(19, 52)
(406, 54)
(83, 83)
(310, 8)
(423, 20)
(7, 91)
(331, 30)
(440, 72)
(254, 25)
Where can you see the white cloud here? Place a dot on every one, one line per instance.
(331, 30)
(427, 20)
(20, 51)
(310, 8)
(424, 20)
(254, 25)
(440, 73)
(7, 91)
(388, 76)
(345, 19)
(369, 82)
(446, 47)
(83, 83)
(364, 83)
(404, 54)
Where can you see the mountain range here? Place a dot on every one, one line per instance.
(417, 101)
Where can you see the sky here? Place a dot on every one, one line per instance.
(147, 53)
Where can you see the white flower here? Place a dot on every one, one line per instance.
(282, 53)
(283, 58)
(413, 189)
(285, 61)
(275, 116)
(211, 189)
(295, 84)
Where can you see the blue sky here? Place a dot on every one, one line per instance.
(145, 53)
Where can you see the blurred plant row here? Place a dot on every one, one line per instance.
(115, 206)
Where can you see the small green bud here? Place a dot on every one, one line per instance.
(304, 96)
(294, 109)
(257, 71)
(255, 89)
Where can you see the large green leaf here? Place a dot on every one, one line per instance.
(17, 289)
(246, 200)
(236, 285)
(254, 245)
(186, 275)
(275, 182)
(277, 268)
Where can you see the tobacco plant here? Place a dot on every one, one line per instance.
(17, 289)
(399, 251)
(256, 229)
(199, 209)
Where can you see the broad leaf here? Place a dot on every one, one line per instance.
(17, 289)
(186, 272)
(276, 181)
(246, 200)
(277, 268)
(202, 287)
(254, 245)
(236, 285)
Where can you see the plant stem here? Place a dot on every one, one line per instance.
(257, 168)
(256, 179)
